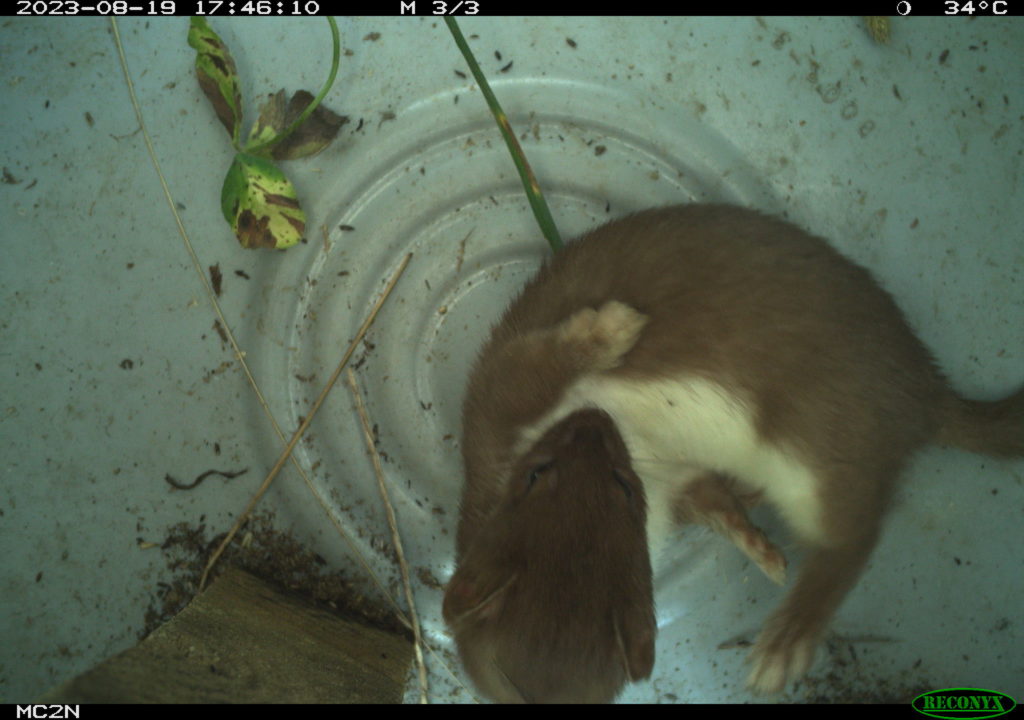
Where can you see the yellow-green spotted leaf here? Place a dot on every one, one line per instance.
(259, 203)
(314, 133)
(270, 121)
(217, 74)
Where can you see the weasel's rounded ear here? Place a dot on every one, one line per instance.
(472, 598)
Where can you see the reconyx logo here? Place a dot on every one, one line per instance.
(963, 704)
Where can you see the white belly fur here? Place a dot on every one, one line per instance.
(676, 429)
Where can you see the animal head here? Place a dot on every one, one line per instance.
(553, 600)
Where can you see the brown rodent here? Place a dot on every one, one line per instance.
(720, 343)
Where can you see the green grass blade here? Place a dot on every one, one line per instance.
(533, 192)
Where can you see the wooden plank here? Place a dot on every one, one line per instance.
(243, 641)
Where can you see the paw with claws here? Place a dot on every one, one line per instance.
(603, 336)
(783, 652)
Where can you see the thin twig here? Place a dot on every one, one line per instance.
(286, 453)
(393, 524)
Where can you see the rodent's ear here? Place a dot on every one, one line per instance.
(469, 597)
(634, 632)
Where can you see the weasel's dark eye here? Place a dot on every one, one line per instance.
(538, 471)
(623, 482)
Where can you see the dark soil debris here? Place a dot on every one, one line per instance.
(274, 556)
(216, 279)
(195, 483)
(847, 679)
(427, 578)
(220, 331)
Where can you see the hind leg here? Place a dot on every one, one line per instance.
(714, 500)
(785, 648)
(848, 532)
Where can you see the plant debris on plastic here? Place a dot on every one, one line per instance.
(272, 555)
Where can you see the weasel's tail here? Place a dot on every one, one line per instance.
(991, 428)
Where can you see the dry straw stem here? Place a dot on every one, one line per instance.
(396, 539)
(286, 453)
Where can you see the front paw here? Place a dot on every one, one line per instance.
(604, 335)
(783, 652)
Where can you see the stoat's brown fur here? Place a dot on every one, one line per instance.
(718, 343)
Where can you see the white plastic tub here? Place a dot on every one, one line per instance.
(908, 156)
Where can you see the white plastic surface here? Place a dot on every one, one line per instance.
(907, 157)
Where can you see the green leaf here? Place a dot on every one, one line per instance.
(314, 134)
(217, 74)
(311, 136)
(260, 204)
(270, 121)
